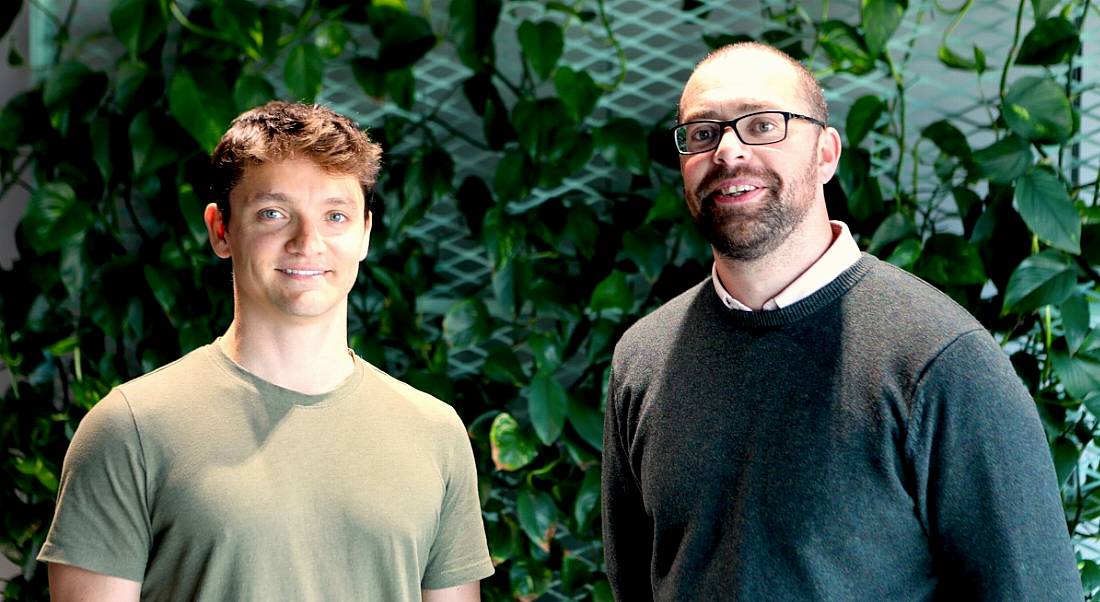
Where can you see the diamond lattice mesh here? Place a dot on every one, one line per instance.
(660, 42)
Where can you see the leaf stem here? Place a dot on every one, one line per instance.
(1011, 56)
(619, 52)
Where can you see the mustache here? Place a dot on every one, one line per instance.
(708, 183)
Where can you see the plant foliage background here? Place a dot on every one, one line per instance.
(116, 277)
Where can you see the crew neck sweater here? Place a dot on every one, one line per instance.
(870, 442)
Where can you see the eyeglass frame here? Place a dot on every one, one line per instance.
(732, 124)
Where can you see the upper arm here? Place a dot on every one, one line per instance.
(467, 592)
(101, 520)
(986, 485)
(74, 584)
(627, 528)
(459, 553)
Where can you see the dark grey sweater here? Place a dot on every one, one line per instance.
(870, 442)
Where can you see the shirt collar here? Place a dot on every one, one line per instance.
(841, 255)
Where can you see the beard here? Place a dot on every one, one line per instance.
(748, 233)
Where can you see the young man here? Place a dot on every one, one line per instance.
(811, 422)
(273, 463)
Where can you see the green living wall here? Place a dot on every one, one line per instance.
(115, 276)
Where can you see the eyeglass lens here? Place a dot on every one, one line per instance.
(762, 128)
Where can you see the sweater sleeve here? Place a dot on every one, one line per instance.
(627, 529)
(985, 484)
(102, 521)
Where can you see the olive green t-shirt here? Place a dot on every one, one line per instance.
(203, 481)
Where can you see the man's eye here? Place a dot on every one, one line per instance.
(763, 126)
(702, 134)
(270, 214)
(338, 217)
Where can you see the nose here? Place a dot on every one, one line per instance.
(730, 147)
(306, 238)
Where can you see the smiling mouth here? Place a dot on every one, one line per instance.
(293, 272)
(735, 191)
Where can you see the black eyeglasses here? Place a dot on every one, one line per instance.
(762, 127)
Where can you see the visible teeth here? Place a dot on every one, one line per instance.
(736, 190)
(293, 272)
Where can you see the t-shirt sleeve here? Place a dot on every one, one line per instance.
(459, 553)
(986, 486)
(101, 522)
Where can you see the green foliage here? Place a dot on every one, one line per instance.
(116, 277)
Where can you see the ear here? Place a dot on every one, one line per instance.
(217, 230)
(828, 154)
(366, 237)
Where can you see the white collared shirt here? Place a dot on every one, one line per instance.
(842, 254)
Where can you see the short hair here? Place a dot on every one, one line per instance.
(809, 87)
(282, 130)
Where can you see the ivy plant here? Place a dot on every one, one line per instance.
(115, 276)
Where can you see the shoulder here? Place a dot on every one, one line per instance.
(193, 372)
(409, 402)
(666, 322)
(890, 290)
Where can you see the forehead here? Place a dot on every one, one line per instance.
(740, 82)
(298, 180)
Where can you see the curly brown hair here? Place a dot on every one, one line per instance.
(281, 130)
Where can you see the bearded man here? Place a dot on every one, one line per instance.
(810, 422)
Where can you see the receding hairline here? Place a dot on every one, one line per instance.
(808, 87)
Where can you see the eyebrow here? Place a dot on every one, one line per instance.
(278, 197)
(742, 108)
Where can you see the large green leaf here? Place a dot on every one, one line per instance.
(1042, 7)
(862, 118)
(54, 218)
(529, 579)
(137, 24)
(472, 25)
(251, 91)
(1051, 42)
(544, 128)
(538, 516)
(897, 226)
(404, 38)
(956, 61)
(1004, 160)
(304, 72)
(949, 259)
(502, 365)
(542, 45)
(587, 422)
(880, 19)
(1075, 321)
(331, 38)
(948, 138)
(1037, 108)
(467, 323)
(612, 294)
(646, 247)
(1046, 278)
(511, 447)
(1065, 458)
(205, 112)
(547, 403)
(588, 498)
(577, 90)
(846, 47)
(1078, 373)
(148, 149)
(1044, 203)
(623, 142)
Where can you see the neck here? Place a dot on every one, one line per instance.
(753, 282)
(309, 357)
